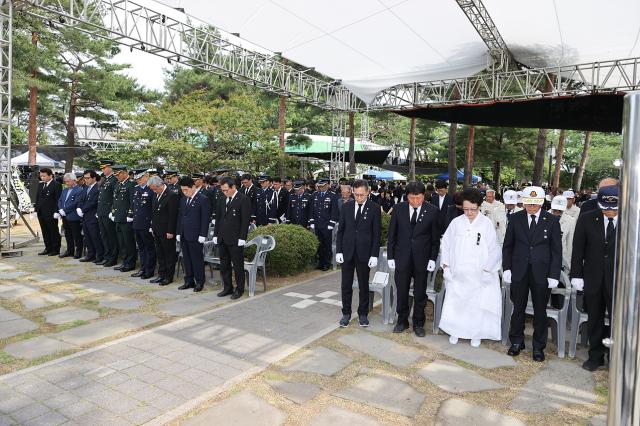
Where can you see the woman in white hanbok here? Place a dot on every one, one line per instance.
(471, 258)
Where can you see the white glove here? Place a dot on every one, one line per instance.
(111, 217)
(330, 227)
(201, 240)
(553, 283)
(61, 212)
(577, 283)
(215, 240)
(339, 258)
(213, 221)
(431, 266)
(373, 262)
(312, 226)
(506, 276)
(178, 238)
(150, 231)
(79, 211)
(241, 243)
(391, 263)
(129, 219)
(56, 215)
(447, 274)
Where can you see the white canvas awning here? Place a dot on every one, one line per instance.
(42, 160)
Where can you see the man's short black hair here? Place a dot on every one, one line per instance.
(415, 188)
(47, 171)
(227, 181)
(361, 183)
(277, 179)
(246, 176)
(185, 181)
(441, 184)
(91, 173)
(473, 196)
(430, 188)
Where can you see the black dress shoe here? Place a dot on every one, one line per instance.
(198, 288)
(515, 348)
(65, 254)
(593, 364)
(53, 253)
(538, 355)
(127, 269)
(77, 256)
(43, 253)
(363, 321)
(224, 293)
(99, 262)
(400, 327)
(186, 286)
(117, 267)
(86, 259)
(138, 274)
(165, 281)
(236, 295)
(419, 331)
(344, 321)
(156, 280)
(146, 276)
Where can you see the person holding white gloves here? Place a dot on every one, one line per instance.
(357, 249)
(233, 216)
(191, 231)
(531, 261)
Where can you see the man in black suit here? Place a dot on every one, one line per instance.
(251, 191)
(592, 204)
(232, 227)
(46, 207)
(163, 225)
(412, 249)
(87, 210)
(357, 247)
(592, 268)
(280, 200)
(442, 200)
(531, 260)
(191, 232)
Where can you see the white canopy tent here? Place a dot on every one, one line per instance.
(42, 160)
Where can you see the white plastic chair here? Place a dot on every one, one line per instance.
(264, 244)
(381, 284)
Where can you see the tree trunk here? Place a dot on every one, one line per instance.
(453, 170)
(468, 164)
(560, 148)
(33, 110)
(71, 127)
(352, 144)
(412, 150)
(583, 161)
(497, 164)
(282, 109)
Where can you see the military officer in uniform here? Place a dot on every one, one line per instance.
(214, 194)
(142, 212)
(163, 226)
(264, 212)
(106, 225)
(171, 179)
(299, 205)
(323, 219)
(122, 215)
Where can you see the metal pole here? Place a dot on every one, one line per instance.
(624, 407)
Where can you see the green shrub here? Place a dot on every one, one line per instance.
(384, 231)
(295, 251)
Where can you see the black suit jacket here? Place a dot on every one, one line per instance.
(361, 240)
(252, 194)
(543, 250)
(232, 221)
(423, 245)
(592, 258)
(164, 218)
(47, 199)
(193, 218)
(588, 206)
(89, 204)
(283, 204)
(442, 212)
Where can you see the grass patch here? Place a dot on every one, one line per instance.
(90, 302)
(5, 358)
(71, 324)
(602, 391)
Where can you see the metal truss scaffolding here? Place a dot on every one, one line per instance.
(6, 27)
(191, 43)
(338, 144)
(102, 139)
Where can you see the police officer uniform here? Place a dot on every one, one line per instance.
(122, 215)
(299, 206)
(265, 209)
(323, 219)
(142, 212)
(106, 226)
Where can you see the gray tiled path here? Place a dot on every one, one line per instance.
(159, 374)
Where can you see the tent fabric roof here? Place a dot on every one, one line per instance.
(320, 148)
(374, 44)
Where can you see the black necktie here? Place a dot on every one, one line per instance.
(610, 231)
(359, 213)
(414, 218)
(226, 206)
(532, 225)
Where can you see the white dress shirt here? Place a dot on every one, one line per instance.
(417, 212)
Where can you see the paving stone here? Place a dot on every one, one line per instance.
(480, 357)
(16, 291)
(385, 392)
(6, 315)
(296, 392)
(12, 275)
(382, 349)
(15, 327)
(334, 416)
(105, 328)
(49, 419)
(190, 305)
(53, 278)
(171, 293)
(30, 412)
(76, 409)
(375, 324)
(69, 314)
(105, 288)
(142, 415)
(436, 342)
(599, 420)
(454, 378)
(6, 420)
(557, 385)
(36, 347)
(14, 402)
(61, 400)
(37, 301)
(117, 302)
(243, 409)
(320, 360)
(455, 412)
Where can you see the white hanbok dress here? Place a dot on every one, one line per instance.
(473, 300)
